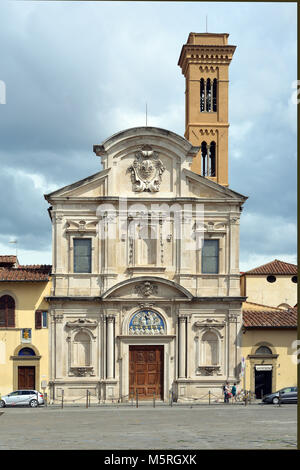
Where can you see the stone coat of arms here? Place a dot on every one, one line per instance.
(146, 170)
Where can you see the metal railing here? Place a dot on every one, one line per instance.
(133, 399)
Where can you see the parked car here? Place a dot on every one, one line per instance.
(288, 395)
(32, 398)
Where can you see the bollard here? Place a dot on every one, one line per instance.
(87, 399)
(62, 398)
(137, 399)
(209, 397)
(132, 396)
(279, 402)
(154, 400)
(46, 399)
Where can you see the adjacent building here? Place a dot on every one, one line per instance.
(269, 327)
(274, 284)
(23, 325)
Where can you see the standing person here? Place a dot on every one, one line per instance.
(233, 392)
(226, 392)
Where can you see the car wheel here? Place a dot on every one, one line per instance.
(2, 404)
(33, 403)
(275, 400)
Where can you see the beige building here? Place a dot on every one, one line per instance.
(273, 284)
(269, 327)
(146, 282)
(23, 325)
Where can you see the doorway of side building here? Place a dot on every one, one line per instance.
(26, 377)
(263, 382)
(146, 372)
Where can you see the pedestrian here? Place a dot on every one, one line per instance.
(233, 392)
(226, 391)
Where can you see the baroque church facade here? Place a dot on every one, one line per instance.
(146, 297)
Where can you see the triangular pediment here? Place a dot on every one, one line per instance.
(92, 186)
(201, 187)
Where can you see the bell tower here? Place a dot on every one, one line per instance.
(204, 61)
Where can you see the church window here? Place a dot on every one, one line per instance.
(295, 279)
(210, 257)
(271, 279)
(82, 255)
(7, 311)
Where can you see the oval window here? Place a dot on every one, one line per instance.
(295, 279)
(271, 278)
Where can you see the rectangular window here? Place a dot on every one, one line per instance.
(82, 255)
(210, 257)
(44, 319)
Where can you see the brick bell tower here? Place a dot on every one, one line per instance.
(204, 61)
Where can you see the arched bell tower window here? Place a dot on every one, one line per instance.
(204, 159)
(214, 95)
(208, 95)
(208, 159)
(202, 95)
(212, 159)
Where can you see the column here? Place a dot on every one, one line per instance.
(110, 343)
(59, 353)
(182, 348)
(232, 346)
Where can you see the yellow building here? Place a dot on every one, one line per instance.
(269, 327)
(24, 352)
(273, 284)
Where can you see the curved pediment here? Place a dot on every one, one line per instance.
(147, 287)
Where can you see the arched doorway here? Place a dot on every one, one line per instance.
(146, 362)
(263, 373)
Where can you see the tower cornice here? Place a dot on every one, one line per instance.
(205, 55)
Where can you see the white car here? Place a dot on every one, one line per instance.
(32, 398)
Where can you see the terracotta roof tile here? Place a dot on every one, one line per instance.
(274, 267)
(8, 259)
(39, 272)
(269, 317)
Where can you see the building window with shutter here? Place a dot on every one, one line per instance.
(41, 319)
(210, 257)
(7, 311)
(82, 255)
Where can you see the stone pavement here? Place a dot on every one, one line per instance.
(120, 427)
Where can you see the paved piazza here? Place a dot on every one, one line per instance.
(124, 427)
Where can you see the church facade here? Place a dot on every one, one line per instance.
(145, 297)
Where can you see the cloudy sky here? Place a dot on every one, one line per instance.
(74, 73)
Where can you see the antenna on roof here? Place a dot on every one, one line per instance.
(146, 114)
(16, 243)
(206, 23)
